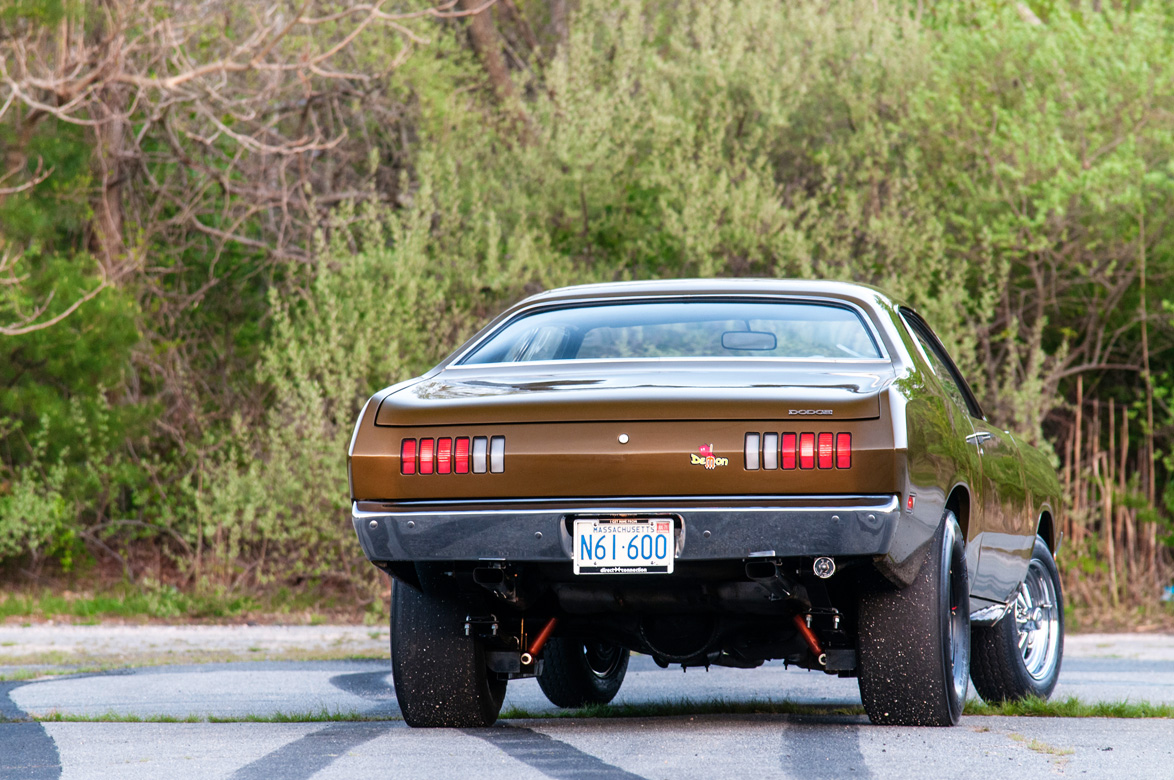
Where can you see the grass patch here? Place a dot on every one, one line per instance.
(686, 706)
(150, 600)
(54, 716)
(1043, 748)
(322, 716)
(1072, 707)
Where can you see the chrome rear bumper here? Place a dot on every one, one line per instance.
(708, 528)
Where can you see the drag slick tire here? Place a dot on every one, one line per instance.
(577, 673)
(915, 642)
(1020, 655)
(439, 673)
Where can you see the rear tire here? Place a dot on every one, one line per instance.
(1020, 655)
(577, 673)
(440, 675)
(915, 642)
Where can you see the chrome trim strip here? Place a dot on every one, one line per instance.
(457, 359)
(892, 505)
(878, 501)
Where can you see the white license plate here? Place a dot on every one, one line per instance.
(624, 545)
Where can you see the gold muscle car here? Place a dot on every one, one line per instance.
(709, 472)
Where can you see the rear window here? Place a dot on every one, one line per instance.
(681, 329)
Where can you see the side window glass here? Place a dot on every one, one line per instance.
(940, 367)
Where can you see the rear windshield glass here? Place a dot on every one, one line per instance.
(698, 329)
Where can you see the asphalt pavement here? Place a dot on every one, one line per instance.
(1096, 668)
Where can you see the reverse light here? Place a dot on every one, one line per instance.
(497, 455)
(480, 450)
(770, 450)
(752, 452)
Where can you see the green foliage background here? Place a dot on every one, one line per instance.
(994, 172)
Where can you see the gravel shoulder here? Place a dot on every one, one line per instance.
(49, 647)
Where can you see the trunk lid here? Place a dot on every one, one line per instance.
(621, 430)
(640, 390)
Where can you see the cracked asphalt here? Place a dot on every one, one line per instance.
(323, 677)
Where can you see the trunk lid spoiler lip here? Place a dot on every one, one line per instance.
(660, 392)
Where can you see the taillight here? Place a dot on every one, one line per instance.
(427, 449)
(843, 450)
(807, 450)
(407, 456)
(789, 450)
(825, 450)
(444, 456)
(460, 457)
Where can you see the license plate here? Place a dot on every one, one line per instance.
(624, 545)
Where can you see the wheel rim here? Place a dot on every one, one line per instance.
(1037, 621)
(603, 659)
(959, 628)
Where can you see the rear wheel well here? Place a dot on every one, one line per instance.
(959, 504)
(1047, 530)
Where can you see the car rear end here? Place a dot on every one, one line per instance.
(669, 501)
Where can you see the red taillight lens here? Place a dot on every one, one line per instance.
(789, 444)
(825, 450)
(460, 458)
(444, 456)
(407, 456)
(843, 450)
(806, 451)
(427, 449)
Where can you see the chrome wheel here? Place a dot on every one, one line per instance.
(1020, 656)
(959, 620)
(1037, 622)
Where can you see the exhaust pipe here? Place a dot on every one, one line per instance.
(498, 580)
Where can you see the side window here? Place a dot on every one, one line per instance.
(942, 366)
(543, 343)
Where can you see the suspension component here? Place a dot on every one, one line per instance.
(539, 642)
(802, 624)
